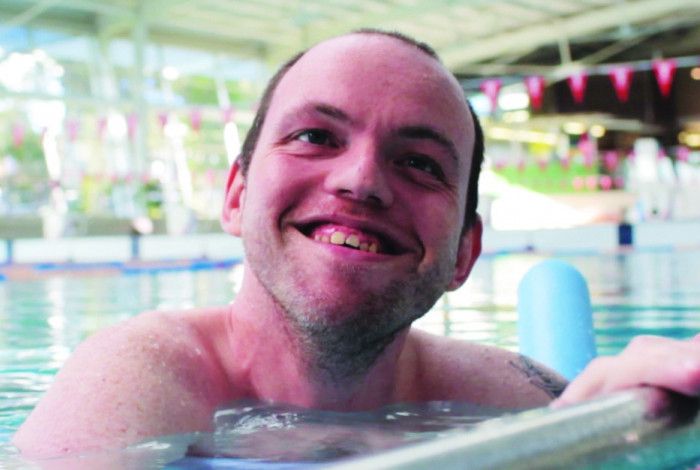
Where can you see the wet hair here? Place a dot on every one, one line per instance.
(253, 135)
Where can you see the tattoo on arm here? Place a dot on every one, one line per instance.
(549, 383)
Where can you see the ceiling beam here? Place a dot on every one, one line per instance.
(27, 15)
(459, 57)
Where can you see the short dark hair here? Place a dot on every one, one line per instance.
(251, 139)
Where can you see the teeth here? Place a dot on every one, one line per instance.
(353, 240)
(338, 238)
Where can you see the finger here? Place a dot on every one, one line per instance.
(588, 383)
(662, 362)
(648, 360)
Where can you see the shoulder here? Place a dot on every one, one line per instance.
(455, 369)
(156, 348)
(170, 337)
(150, 375)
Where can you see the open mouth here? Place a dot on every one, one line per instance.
(347, 237)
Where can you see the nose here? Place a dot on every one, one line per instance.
(360, 176)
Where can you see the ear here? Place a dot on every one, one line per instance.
(233, 201)
(469, 250)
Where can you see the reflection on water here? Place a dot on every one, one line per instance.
(251, 431)
(264, 432)
(41, 321)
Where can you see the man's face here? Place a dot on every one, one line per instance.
(354, 200)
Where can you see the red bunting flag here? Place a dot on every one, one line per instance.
(132, 124)
(565, 163)
(621, 77)
(610, 160)
(592, 182)
(490, 88)
(101, 127)
(227, 114)
(72, 129)
(535, 90)
(577, 84)
(163, 119)
(17, 134)
(664, 71)
(196, 119)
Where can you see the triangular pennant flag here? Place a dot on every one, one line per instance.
(577, 84)
(227, 114)
(163, 119)
(17, 134)
(132, 124)
(101, 127)
(535, 90)
(196, 119)
(491, 87)
(621, 77)
(664, 71)
(72, 129)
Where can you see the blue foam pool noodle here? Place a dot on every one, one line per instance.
(555, 320)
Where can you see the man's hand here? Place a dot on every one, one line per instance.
(647, 361)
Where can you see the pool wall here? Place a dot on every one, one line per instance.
(220, 246)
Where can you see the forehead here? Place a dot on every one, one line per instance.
(380, 78)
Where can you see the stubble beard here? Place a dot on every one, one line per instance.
(338, 342)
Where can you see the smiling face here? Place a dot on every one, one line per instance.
(352, 208)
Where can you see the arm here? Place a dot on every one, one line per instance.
(485, 375)
(539, 376)
(647, 361)
(143, 378)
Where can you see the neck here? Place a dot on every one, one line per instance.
(308, 365)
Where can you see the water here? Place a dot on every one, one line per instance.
(251, 430)
(42, 320)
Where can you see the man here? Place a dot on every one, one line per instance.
(354, 202)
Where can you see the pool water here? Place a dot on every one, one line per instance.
(43, 319)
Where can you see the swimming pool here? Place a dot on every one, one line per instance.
(43, 319)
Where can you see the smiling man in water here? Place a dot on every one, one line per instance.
(355, 197)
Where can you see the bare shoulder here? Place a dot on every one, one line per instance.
(462, 370)
(147, 376)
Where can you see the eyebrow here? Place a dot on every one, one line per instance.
(429, 133)
(311, 109)
(331, 111)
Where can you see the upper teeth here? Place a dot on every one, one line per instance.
(339, 238)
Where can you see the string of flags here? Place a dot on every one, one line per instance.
(621, 76)
(73, 126)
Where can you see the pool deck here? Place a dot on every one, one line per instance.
(29, 258)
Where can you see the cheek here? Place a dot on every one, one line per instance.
(438, 220)
(276, 183)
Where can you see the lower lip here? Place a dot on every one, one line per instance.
(342, 249)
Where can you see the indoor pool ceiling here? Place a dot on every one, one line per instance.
(474, 37)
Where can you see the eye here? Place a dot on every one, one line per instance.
(424, 164)
(317, 137)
